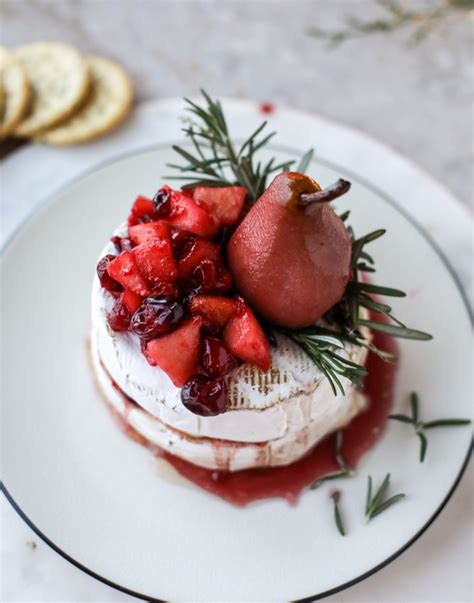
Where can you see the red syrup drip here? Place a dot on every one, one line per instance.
(267, 108)
(243, 487)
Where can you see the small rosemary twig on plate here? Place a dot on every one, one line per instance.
(420, 426)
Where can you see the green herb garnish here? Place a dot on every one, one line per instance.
(336, 497)
(320, 345)
(344, 469)
(420, 20)
(360, 294)
(421, 426)
(376, 504)
(216, 161)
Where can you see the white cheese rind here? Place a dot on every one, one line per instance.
(273, 419)
(225, 455)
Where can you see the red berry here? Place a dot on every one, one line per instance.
(122, 244)
(210, 276)
(180, 240)
(106, 281)
(162, 202)
(119, 317)
(205, 397)
(216, 360)
(194, 252)
(157, 316)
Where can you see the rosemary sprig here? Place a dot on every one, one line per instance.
(336, 497)
(376, 504)
(397, 16)
(421, 426)
(344, 469)
(359, 294)
(216, 161)
(320, 345)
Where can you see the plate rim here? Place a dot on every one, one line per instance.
(50, 199)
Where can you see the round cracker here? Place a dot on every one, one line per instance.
(59, 77)
(16, 92)
(109, 102)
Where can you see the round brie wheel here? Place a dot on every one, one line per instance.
(273, 419)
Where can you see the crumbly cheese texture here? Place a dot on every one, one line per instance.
(273, 419)
(59, 77)
(108, 103)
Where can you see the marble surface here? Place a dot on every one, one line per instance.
(375, 84)
(417, 100)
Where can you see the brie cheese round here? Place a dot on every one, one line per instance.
(273, 418)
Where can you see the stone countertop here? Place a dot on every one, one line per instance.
(418, 101)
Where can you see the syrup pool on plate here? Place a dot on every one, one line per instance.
(243, 487)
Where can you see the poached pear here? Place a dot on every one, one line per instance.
(290, 256)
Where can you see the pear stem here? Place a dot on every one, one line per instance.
(327, 194)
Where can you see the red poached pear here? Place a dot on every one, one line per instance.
(290, 256)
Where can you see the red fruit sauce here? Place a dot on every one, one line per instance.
(243, 487)
(267, 108)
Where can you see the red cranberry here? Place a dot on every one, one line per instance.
(216, 360)
(162, 203)
(157, 316)
(119, 317)
(164, 289)
(203, 396)
(181, 240)
(122, 243)
(210, 277)
(106, 281)
(203, 277)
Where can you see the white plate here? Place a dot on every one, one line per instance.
(101, 501)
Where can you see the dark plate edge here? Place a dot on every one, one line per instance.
(49, 200)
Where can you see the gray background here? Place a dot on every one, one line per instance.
(417, 100)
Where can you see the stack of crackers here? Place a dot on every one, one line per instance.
(52, 94)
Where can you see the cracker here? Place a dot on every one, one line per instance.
(15, 92)
(59, 77)
(109, 103)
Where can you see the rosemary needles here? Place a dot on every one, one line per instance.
(336, 496)
(420, 426)
(377, 503)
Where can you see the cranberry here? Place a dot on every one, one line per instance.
(106, 281)
(162, 203)
(216, 360)
(119, 317)
(203, 396)
(210, 277)
(181, 241)
(157, 316)
(165, 289)
(203, 277)
(122, 243)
